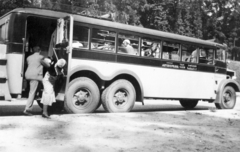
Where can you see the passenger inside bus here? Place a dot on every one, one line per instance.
(206, 56)
(170, 51)
(150, 51)
(106, 46)
(127, 48)
(158, 51)
(220, 55)
(77, 44)
(193, 56)
(103, 40)
(80, 37)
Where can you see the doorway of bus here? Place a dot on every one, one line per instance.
(38, 33)
(54, 37)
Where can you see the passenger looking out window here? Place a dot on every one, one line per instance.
(193, 56)
(106, 46)
(103, 40)
(150, 48)
(220, 55)
(127, 47)
(206, 56)
(171, 51)
(128, 44)
(190, 53)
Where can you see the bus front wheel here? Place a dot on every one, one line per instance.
(82, 96)
(227, 99)
(120, 96)
(189, 104)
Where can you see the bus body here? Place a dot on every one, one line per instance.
(100, 70)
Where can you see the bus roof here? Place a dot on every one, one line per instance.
(116, 25)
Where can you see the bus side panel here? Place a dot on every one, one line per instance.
(218, 79)
(171, 83)
(14, 71)
(160, 82)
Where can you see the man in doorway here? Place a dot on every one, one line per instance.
(34, 74)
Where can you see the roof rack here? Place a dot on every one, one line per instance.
(89, 12)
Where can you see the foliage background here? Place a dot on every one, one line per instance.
(217, 20)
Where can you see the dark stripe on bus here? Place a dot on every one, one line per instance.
(2, 97)
(3, 61)
(3, 80)
(220, 70)
(127, 59)
(138, 60)
(91, 55)
(206, 68)
(220, 64)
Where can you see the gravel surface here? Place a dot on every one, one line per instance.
(176, 131)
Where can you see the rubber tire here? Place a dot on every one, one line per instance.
(108, 94)
(222, 104)
(76, 84)
(99, 104)
(188, 104)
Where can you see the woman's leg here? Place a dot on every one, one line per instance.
(45, 111)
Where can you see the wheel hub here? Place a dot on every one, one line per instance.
(120, 98)
(227, 97)
(81, 97)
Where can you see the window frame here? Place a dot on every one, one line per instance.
(140, 38)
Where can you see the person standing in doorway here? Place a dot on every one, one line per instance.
(34, 74)
(54, 71)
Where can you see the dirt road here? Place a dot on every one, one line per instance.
(175, 131)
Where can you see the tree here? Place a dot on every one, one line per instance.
(179, 24)
(8, 5)
(154, 15)
(222, 20)
(197, 22)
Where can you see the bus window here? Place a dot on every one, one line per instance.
(103, 40)
(151, 48)
(170, 51)
(128, 44)
(80, 36)
(220, 55)
(189, 53)
(3, 32)
(206, 56)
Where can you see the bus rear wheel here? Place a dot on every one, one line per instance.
(189, 104)
(120, 96)
(82, 96)
(227, 99)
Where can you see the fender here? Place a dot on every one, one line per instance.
(108, 77)
(223, 84)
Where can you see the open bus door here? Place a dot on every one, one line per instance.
(61, 47)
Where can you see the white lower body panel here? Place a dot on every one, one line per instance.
(159, 82)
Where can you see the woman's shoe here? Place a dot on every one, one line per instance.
(45, 116)
(27, 113)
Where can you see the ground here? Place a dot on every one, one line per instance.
(176, 131)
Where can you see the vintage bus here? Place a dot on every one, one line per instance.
(113, 64)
